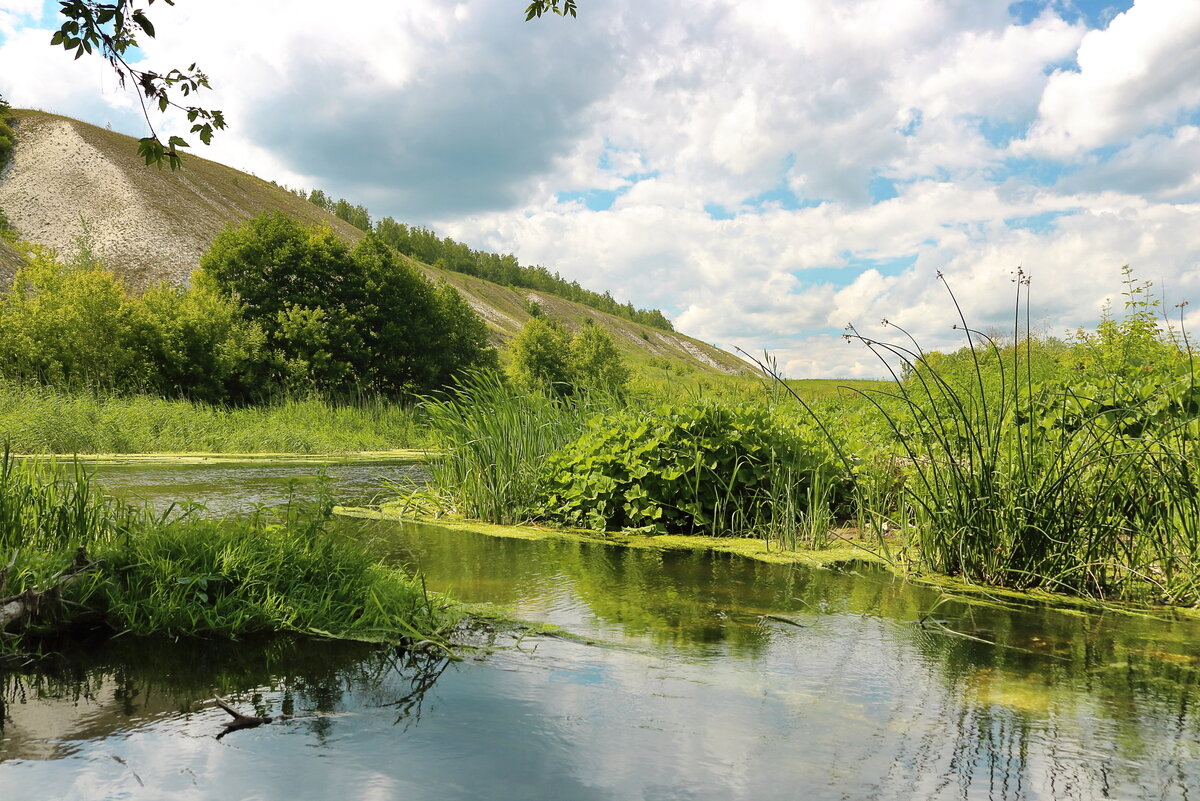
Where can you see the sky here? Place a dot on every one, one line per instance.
(766, 173)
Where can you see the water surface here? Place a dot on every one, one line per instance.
(687, 676)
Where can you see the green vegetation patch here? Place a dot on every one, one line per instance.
(134, 571)
(696, 468)
(49, 420)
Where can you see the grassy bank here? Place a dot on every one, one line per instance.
(77, 558)
(1033, 464)
(38, 419)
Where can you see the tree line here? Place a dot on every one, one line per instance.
(275, 307)
(445, 253)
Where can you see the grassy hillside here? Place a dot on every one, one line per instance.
(69, 180)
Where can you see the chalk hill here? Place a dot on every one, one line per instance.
(69, 180)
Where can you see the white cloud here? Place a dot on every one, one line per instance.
(1137, 74)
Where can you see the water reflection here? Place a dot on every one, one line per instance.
(232, 488)
(709, 677)
(51, 710)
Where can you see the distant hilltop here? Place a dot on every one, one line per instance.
(69, 181)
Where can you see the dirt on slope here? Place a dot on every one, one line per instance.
(70, 182)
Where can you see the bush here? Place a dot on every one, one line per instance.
(545, 357)
(701, 468)
(342, 320)
(7, 136)
(78, 326)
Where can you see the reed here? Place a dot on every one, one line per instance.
(1065, 485)
(493, 440)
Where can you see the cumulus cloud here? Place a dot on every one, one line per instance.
(1136, 74)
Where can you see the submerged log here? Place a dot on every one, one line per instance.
(28, 603)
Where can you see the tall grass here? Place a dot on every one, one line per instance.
(1024, 484)
(179, 575)
(493, 440)
(38, 419)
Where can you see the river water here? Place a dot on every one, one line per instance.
(681, 675)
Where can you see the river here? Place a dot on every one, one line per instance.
(678, 675)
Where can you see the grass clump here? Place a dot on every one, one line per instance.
(492, 440)
(1082, 480)
(134, 571)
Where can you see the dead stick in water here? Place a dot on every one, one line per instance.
(239, 721)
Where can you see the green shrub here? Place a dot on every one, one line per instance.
(699, 468)
(545, 357)
(341, 319)
(7, 136)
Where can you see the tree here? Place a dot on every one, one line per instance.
(6, 133)
(595, 361)
(112, 29)
(539, 357)
(340, 320)
(545, 356)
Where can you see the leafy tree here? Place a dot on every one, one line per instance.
(77, 325)
(539, 357)
(545, 356)
(6, 133)
(595, 360)
(112, 29)
(198, 343)
(338, 319)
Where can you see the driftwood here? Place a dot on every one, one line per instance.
(240, 721)
(28, 603)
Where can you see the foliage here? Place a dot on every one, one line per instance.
(545, 357)
(697, 468)
(493, 440)
(7, 137)
(1084, 482)
(77, 325)
(358, 216)
(282, 570)
(343, 320)
(113, 29)
(539, 357)
(595, 360)
(537, 8)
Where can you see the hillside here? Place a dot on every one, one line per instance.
(68, 180)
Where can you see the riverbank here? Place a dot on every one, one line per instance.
(399, 455)
(81, 561)
(852, 550)
(45, 420)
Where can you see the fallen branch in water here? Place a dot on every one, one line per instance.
(239, 721)
(28, 603)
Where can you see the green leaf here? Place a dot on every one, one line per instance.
(144, 23)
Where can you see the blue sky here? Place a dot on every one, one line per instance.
(765, 172)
